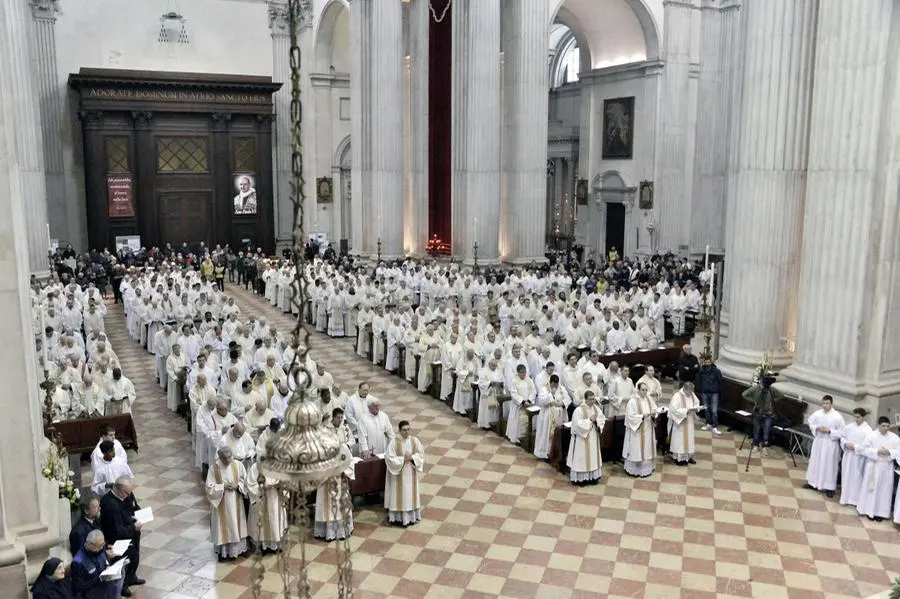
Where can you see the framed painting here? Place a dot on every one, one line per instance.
(618, 128)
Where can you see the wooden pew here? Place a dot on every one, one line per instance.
(82, 435)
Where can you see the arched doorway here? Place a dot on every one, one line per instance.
(345, 170)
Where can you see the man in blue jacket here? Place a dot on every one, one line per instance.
(88, 564)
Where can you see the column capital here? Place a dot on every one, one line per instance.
(45, 10)
(219, 120)
(141, 119)
(91, 119)
(279, 16)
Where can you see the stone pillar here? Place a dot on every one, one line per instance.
(673, 172)
(62, 213)
(767, 209)
(24, 535)
(848, 317)
(526, 81)
(28, 149)
(476, 130)
(417, 201)
(281, 146)
(711, 160)
(376, 82)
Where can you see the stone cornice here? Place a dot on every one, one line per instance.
(279, 21)
(623, 72)
(44, 9)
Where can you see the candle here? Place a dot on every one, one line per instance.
(712, 284)
(475, 230)
(706, 263)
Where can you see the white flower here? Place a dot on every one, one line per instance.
(77, 494)
(46, 471)
(71, 473)
(61, 484)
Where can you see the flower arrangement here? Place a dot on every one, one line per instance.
(436, 246)
(56, 470)
(764, 366)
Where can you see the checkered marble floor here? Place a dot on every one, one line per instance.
(499, 523)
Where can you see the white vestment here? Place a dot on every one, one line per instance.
(374, 432)
(825, 456)
(330, 523)
(584, 459)
(549, 418)
(268, 517)
(878, 478)
(228, 521)
(853, 464)
(401, 489)
(107, 472)
(523, 392)
(490, 385)
(682, 409)
(639, 448)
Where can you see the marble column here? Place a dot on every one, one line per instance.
(476, 130)
(416, 235)
(766, 212)
(62, 213)
(29, 150)
(376, 82)
(848, 318)
(526, 81)
(24, 535)
(281, 146)
(711, 160)
(674, 167)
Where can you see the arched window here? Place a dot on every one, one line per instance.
(565, 61)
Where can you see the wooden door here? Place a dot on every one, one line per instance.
(185, 217)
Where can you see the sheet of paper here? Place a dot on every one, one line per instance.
(742, 413)
(568, 425)
(114, 572)
(533, 409)
(120, 547)
(380, 456)
(145, 515)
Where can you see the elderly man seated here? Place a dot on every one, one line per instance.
(90, 561)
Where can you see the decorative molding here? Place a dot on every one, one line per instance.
(279, 21)
(623, 72)
(44, 10)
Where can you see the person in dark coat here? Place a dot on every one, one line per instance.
(688, 366)
(52, 582)
(87, 565)
(117, 521)
(90, 520)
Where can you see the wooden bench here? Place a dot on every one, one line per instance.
(81, 435)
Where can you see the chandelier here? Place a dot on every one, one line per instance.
(304, 455)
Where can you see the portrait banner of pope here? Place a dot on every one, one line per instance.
(245, 200)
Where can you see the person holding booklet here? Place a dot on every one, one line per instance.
(121, 518)
(90, 579)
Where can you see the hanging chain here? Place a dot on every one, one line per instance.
(300, 336)
(258, 569)
(439, 19)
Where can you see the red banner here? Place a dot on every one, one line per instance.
(120, 191)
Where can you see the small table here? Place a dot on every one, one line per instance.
(370, 477)
(531, 412)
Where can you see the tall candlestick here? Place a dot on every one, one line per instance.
(44, 352)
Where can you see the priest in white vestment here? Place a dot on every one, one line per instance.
(241, 444)
(176, 369)
(522, 393)
(121, 394)
(226, 487)
(639, 449)
(90, 396)
(394, 341)
(375, 431)
(466, 374)
(654, 387)
(584, 460)
(268, 517)
(107, 433)
(825, 456)
(683, 409)
(405, 459)
(881, 448)
(213, 420)
(490, 385)
(853, 464)
(331, 521)
(554, 401)
(108, 469)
